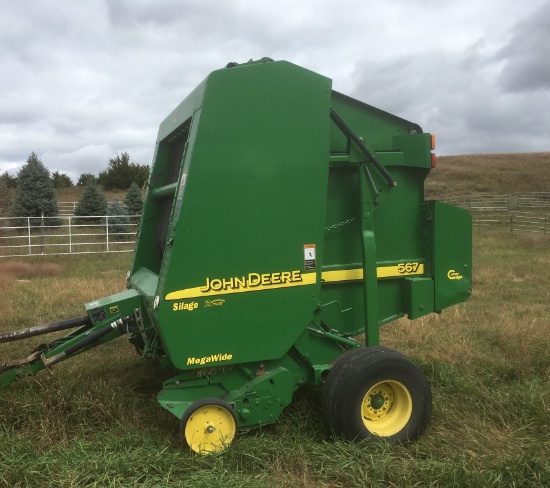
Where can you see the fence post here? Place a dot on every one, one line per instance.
(107, 231)
(512, 223)
(42, 234)
(70, 236)
(29, 232)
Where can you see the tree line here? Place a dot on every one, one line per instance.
(35, 190)
(119, 175)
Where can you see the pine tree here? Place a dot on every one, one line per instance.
(61, 180)
(122, 173)
(133, 202)
(10, 181)
(93, 203)
(86, 179)
(118, 220)
(35, 194)
(4, 199)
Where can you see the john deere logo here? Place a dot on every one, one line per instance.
(454, 275)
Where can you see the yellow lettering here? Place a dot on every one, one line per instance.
(213, 358)
(296, 276)
(216, 285)
(276, 278)
(240, 282)
(454, 275)
(178, 306)
(266, 279)
(207, 286)
(286, 277)
(254, 279)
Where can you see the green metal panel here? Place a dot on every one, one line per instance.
(452, 262)
(234, 284)
(418, 297)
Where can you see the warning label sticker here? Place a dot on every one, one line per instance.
(309, 256)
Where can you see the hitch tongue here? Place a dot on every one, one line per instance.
(17, 335)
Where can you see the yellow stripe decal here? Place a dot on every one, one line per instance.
(252, 282)
(288, 279)
(381, 272)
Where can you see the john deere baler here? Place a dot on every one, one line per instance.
(284, 224)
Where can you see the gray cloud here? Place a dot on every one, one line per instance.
(526, 56)
(487, 98)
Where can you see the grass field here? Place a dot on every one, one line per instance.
(96, 421)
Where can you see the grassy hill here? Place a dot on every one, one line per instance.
(498, 174)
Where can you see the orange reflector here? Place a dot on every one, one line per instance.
(433, 142)
(433, 160)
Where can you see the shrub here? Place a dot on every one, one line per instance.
(93, 203)
(133, 201)
(118, 221)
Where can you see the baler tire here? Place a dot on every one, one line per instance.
(213, 431)
(376, 392)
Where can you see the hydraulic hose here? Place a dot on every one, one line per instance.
(89, 339)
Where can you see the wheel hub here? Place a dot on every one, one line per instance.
(377, 401)
(386, 408)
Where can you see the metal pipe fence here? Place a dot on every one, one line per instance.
(29, 236)
(517, 213)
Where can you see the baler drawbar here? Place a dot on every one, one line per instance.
(284, 223)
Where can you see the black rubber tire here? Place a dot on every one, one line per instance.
(205, 402)
(351, 378)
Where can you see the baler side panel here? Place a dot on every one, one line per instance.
(237, 286)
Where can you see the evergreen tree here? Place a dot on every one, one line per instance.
(4, 199)
(92, 205)
(10, 181)
(86, 179)
(122, 173)
(133, 201)
(61, 180)
(35, 194)
(118, 220)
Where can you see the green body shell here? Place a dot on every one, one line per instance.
(253, 220)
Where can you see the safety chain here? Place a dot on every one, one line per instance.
(340, 224)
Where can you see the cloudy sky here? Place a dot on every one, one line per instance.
(81, 82)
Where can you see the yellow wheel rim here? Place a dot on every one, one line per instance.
(210, 429)
(386, 408)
